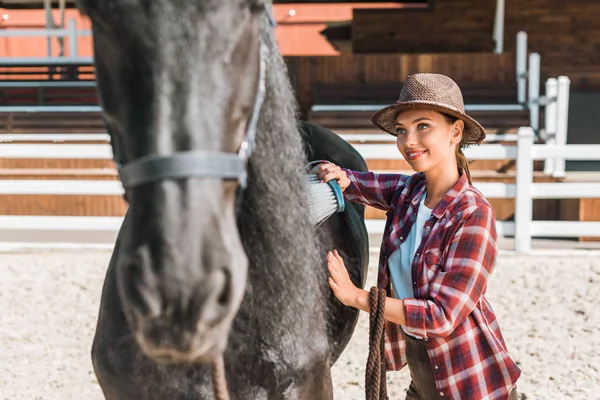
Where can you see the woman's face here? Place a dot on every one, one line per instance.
(427, 140)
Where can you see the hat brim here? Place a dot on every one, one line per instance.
(385, 119)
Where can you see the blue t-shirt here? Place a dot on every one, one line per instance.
(400, 262)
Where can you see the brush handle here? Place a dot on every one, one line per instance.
(339, 196)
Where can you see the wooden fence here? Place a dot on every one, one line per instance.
(103, 229)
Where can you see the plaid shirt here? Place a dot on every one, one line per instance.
(450, 271)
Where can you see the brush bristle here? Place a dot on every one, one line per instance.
(321, 199)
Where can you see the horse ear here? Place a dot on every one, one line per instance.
(80, 4)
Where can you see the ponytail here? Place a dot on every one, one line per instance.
(463, 164)
(461, 159)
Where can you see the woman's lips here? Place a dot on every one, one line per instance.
(415, 154)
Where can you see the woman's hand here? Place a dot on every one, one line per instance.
(329, 171)
(339, 280)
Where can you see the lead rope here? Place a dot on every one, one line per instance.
(218, 379)
(375, 378)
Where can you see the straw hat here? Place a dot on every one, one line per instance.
(433, 92)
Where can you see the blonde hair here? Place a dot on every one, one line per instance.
(461, 159)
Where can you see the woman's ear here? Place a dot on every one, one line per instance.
(457, 131)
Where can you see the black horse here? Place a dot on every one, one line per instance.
(211, 261)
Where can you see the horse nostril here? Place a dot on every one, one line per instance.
(225, 295)
(137, 290)
(132, 275)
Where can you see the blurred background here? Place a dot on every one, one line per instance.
(520, 64)
(529, 71)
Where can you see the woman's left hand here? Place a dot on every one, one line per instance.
(339, 280)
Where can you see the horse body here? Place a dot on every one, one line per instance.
(172, 297)
(272, 352)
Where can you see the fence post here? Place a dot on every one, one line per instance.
(499, 27)
(562, 123)
(550, 119)
(72, 28)
(521, 66)
(523, 200)
(534, 91)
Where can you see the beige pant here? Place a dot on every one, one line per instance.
(422, 384)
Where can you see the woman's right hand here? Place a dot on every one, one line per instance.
(329, 171)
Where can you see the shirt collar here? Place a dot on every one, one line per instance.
(419, 187)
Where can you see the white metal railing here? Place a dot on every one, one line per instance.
(65, 151)
(47, 84)
(524, 191)
(53, 137)
(50, 109)
(71, 32)
(61, 187)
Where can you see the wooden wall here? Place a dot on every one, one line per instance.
(447, 26)
(565, 33)
(482, 67)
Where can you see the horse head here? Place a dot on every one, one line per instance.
(180, 83)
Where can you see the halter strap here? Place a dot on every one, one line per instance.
(189, 164)
(201, 164)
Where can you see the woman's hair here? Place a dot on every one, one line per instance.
(461, 160)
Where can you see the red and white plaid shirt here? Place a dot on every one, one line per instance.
(450, 271)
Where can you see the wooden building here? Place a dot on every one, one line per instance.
(361, 53)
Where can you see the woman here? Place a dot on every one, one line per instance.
(438, 251)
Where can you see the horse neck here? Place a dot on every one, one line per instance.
(286, 272)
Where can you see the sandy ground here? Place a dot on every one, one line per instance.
(548, 307)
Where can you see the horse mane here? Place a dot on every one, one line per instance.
(284, 250)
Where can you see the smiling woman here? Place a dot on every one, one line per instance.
(438, 250)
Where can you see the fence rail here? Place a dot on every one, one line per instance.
(524, 152)
(524, 191)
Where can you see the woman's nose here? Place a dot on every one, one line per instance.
(409, 138)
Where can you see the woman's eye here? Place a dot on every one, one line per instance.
(422, 127)
(400, 131)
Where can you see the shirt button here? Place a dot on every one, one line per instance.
(401, 237)
(435, 366)
(442, 394)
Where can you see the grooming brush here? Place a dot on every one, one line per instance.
(325, 199)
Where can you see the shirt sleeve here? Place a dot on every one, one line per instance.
(373, 189)
(461, 282)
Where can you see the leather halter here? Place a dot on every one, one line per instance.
(199, 163)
